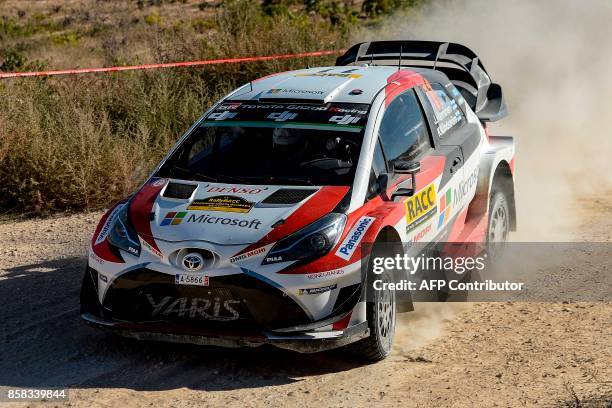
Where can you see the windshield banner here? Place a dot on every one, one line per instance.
(350, 116)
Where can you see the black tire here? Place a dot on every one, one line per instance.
(498, 226)
(381, 316)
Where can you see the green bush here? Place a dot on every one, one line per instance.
(83, 142)
(12, 60)
(375, 8)
(66, 39)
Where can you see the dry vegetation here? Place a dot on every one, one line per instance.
(81, 142)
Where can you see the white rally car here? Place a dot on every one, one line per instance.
(252, 229)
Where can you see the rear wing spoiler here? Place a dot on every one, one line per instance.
(460, 64)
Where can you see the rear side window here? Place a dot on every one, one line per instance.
(447, 115)
(403, 132)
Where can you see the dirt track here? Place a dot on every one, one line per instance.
(495, 354)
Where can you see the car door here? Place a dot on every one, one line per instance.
(405, 136)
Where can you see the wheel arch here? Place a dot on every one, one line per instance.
(504, 180)
(389, 234)
(494, 170)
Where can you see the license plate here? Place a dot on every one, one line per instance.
(182, 279)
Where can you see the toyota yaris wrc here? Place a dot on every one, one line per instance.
(253, 228)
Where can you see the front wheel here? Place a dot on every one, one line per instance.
(380, 312)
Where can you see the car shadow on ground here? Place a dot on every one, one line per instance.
(44, 343)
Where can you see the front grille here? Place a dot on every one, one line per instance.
(288, 196)
(229, 301)
(93, 276)
(179, 191)
(89, 292)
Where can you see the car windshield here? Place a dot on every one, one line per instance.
(309, 152)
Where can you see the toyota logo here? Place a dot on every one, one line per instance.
(193, 262)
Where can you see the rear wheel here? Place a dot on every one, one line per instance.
(498, 229)
(380, 313)
(499, 224)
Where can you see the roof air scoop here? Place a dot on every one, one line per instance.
(311, 86)
(179, 191)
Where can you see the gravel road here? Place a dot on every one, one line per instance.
(480, 354)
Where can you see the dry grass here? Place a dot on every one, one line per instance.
(82, 142)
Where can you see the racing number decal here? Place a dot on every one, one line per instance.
(421, 207)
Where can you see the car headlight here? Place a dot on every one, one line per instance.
(122, 235)
(312, 241)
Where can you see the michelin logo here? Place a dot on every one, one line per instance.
(348, 246)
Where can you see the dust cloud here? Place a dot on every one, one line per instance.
(554, 62)
(427, 322)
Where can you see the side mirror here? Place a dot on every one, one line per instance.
(405, 167)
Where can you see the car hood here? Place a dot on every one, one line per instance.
(227, 214)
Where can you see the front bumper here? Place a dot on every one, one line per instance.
(305, 342)
(261, 315)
